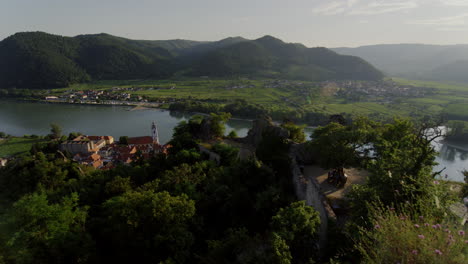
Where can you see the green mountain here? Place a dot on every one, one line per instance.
(41, 60)
(430, 62)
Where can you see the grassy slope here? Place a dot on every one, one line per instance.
(14, 146)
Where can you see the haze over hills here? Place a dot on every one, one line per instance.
(42, 60)
(429, 62)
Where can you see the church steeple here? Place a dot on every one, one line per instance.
(154, 130)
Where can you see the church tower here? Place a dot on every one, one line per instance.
(154, 130)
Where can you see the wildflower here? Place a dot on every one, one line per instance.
(377, 226)
(466, 241)
(392, 209)
(416, 225)
(426, 224)
(421, 217)
(436, 226)
(447, 230)
(436, 182)
(414, 252)
(438, 252)
(421, 236)
(461, 232)
(402, 218)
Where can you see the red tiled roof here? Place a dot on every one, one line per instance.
(140, 140)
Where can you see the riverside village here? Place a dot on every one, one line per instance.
(103, 152)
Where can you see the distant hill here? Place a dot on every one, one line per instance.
(430, 62)
(42, 60)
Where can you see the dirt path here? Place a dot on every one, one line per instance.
(355, 176)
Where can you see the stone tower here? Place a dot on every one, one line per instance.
(154, 130)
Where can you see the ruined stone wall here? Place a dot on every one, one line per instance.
(309, 190)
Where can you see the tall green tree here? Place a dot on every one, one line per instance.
(148, 227)
(41, 232)
(297, 225)
(55, 130)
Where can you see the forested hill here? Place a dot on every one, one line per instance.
(41, 60)
(431, 62)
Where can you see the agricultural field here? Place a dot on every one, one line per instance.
(16, 145)
(451, 100)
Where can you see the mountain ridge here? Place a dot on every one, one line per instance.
(43, 60)
(420, 61)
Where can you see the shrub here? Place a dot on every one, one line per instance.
(408, 238)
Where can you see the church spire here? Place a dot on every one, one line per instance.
(154, 130)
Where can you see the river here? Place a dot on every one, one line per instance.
(20, 118)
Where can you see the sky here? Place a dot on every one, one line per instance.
(328, 23)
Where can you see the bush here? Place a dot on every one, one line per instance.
(409, 238)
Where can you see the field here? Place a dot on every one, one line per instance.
(14, 146)
(448, 99)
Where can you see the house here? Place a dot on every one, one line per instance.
(51, 98)
(84, 145)
(141, 141)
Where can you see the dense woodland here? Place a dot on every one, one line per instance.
(184, 208)
(41, 60)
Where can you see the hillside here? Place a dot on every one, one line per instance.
(41, 60)
(430, 62)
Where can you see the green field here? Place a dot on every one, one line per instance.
(14, 146)
(445, 98)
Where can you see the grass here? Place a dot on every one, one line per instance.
(15, 145)
(445, 98)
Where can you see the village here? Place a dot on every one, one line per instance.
(103, 152)
(112, 96)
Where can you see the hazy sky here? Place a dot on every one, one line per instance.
(329, 23)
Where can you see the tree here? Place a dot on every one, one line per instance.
(218, 123)
(40, 232)
(341, 146)
(123, 140)
(296, 133)
(401, 169)
(232, 134)
(56, 131)
(297, 224)
(148, 227)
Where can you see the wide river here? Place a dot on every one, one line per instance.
(20, 118)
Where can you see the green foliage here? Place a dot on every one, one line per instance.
(464, 192)
(123, 140)
(457, 130)
(296, 132)
(402, 170)
(55, 131)
(13, 146)
(232, 134)
(297, 225)
(228, 153)
(409, 238)
(41, 232)
(342, 146)
(41, 60)
(140, 223)
(296, 220)
(218, 123)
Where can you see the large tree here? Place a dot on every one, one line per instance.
(43, 232)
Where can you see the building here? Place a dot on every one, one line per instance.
(86, 144)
